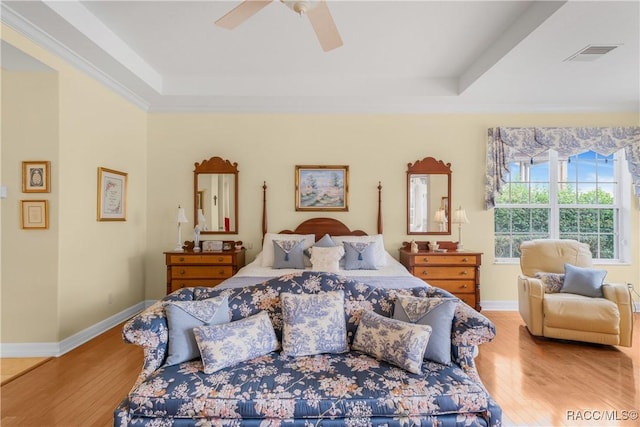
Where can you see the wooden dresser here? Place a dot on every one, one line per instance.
(186, 269)
(456, 272)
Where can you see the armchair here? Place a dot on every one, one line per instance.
(607, 320)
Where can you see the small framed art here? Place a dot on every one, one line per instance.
(36, 176)
(322, 188)
(112, 195)
(34, 214)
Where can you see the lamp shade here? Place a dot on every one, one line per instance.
(460, 216)
(440, 216)
(182, 218)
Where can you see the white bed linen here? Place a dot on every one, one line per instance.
(392, 275)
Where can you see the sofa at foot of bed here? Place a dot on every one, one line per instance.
(372, 372)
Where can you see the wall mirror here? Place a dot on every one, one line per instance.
(215, 194)
(428, 197)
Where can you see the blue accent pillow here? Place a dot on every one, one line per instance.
(288, 254)
(400, 343)
(324, 242)
(583, 281)
(435, 312)
(359, 256)
(230, 343)
(183, 316)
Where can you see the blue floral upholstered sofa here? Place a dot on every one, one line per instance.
(345, 387)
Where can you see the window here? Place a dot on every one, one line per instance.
(581, 197)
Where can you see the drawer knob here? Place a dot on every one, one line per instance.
(465, 259)
(424, 272)
(464, 286)
(464, 273)
(221, 272)
(181, 259)
(425, 259)
(220, 259)
(182, 272)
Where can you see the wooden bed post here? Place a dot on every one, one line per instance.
(379, 207)
(264, 209)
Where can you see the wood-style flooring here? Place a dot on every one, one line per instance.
(537, 382)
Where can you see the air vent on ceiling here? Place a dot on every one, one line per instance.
(592, 52)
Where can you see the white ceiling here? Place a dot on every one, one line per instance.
(398, 56)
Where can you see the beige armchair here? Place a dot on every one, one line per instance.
(562, 315)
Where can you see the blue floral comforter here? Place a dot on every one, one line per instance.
(349, 389)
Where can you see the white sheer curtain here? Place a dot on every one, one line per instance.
(505, 143)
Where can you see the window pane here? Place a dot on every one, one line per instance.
(606, 194)
(568, 220)
(502, 220)
(520, 220)
(606, 221)
(588, 220)
(567, 194)
(607, 246)
(519, 193)
(540, 194)
(540, 220)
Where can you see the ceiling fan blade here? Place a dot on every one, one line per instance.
(324, 26)
(241, 13)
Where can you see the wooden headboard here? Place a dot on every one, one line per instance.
(321, 226)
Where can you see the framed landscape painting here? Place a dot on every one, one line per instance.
(322, 188)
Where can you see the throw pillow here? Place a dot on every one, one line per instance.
(359, 256)
(435, 312)
(183, 316)
(313, 323)
(376, 239)
(324, 242)
(400, 343)
(228, 344)
(326, 259)
(288, 254)
(583, 281)
(267, 255)
(552, 281)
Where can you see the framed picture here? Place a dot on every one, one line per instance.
(34, 214)
(112, 195)
(322, 188)
(36, 176)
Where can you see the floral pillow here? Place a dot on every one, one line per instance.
(313, 323)
(552, 282)
(230, 343)
(326, 259)
(435, 312)
(183, 316)
(400, 343)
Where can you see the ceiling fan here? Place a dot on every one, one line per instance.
(317, 11)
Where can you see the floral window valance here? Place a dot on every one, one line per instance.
(505, 144)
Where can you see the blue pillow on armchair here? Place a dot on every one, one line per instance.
(583, 281)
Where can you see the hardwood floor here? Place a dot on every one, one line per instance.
(537, 382)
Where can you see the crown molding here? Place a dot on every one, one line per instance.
(25, 27)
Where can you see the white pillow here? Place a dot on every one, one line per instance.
(380, 251)
(326, 259)
(267, 244)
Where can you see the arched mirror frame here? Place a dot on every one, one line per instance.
(215, 165)
(430, 166)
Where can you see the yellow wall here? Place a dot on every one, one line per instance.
(82, 264)
(79, 272)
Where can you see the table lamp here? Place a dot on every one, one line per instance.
(460, 217)
(182, 219)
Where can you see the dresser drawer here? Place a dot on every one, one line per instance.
(444, 260)
(455, 286)
(201, 259)
(462, 272)
(469, 299)
(203, 272)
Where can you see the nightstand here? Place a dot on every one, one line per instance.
(456, 272)
(187, 269)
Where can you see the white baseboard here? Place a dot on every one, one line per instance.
(499, 305)
(56, 349)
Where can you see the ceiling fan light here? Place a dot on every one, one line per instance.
(300, 6)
